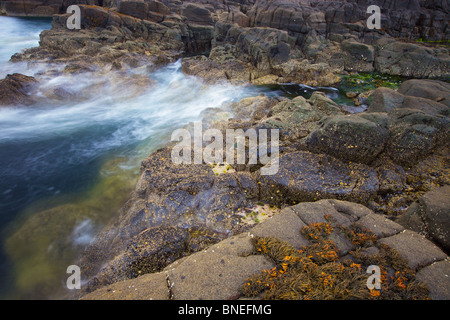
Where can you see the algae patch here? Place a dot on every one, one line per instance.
(319, 271)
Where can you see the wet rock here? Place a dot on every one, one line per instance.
(414, 135)
(152, 250)
(392, 178)
(305, 176)
(180, 196)
(431, 216)
(15, 90)
(356, 137)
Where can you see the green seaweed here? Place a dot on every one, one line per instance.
(362, 82)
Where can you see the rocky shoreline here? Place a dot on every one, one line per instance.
(388, 163)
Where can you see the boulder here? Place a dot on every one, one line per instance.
(431, 216)
(414, 135)
(305, 176)
(15, 90)
(437, 276)
(359, 57)
(410, 95)
(437, 91)
(355, 137)
(228, 265)
(411, 60)
(196, 14)
(415, 248)
(385, 100)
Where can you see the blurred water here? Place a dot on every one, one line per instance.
(17, 34)
(62, 161)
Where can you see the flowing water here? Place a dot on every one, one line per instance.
(67, 166)
(68, 163)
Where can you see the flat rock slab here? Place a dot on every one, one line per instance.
(152, 286)
(437, 276)
(216, 273)
(285, 226)
(343, 212)
(380, 225)
(415, 248)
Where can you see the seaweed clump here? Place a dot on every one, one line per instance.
(318, 272)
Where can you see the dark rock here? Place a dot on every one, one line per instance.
(359, 138)
(152, 250)
(15, 90)
(196, 14)
(431, 216)
(304, 176)
(359, 57)
(414, 135)
(411, 60)
(138, 9)
(437, 91)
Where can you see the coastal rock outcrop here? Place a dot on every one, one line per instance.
(231, 263)
(383, 160)
(15, 90)
(261, 42)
